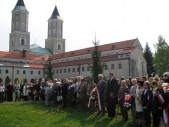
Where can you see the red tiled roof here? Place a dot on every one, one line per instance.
(106, 47)
(18, 55)
(84, 61)
(36, 66)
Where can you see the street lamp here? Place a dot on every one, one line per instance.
(129, 65)
(79, 69)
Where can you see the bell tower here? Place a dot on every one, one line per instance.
(19, 36)
(55, 41)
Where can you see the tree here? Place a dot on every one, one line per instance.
(97, 66)
(161, 56)
(49, 71)
(7, 79)
(148, 55)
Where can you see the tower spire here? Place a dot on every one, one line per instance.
(55, 14)
(20, 5)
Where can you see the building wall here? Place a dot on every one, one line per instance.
(60, 72)
(12, 72)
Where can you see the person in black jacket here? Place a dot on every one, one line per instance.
(157, 109)
(147, 98)
(36, 89)
(64, 92)
(111, 95)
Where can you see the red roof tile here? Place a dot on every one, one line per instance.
(18, 55)
(84, 61)
(36, 66)
(106, 47)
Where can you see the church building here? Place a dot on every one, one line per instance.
(123, 58)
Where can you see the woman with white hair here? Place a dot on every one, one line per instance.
(101, 85)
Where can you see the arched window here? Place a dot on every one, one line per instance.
(59, 47)
(12, 43)
(22, 41)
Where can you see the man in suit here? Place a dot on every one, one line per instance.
(111, 94)
(101, 85)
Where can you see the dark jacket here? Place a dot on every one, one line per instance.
(112, 89)
(147, 98)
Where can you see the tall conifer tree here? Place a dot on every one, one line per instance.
(97, 66)
(148, 55)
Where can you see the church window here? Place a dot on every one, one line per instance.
(22, 41)
(112, 66)
(24, 72)
(73, 69)
(17, 71)
(64, 70)
(105, 67)
(6, 71)
(68, 69)
(59, 47)
(31, 72)
(120, 66)
(60, 70)
(83, 69)
(39, 72)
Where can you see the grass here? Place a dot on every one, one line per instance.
(36, 114)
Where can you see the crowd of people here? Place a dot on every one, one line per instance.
(147, 99)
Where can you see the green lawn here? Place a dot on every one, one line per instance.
(36, 114)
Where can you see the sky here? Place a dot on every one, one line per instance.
(111, 20)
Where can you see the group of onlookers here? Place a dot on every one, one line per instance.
(148, 99)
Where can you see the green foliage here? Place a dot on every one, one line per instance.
(7, 79)
(97, 66)
(148, 55)
(36, 114)
(49, 71)
(161, 56)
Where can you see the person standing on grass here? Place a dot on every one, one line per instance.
(111, 95)
(65, 86)
(25, 90)
(36, 89)
(121, 96)
(147, 98)
(17, 91)
(83, 94)
(10, 90)
(2, 90)
(133, 94)
(48, 94)
(157, 106)
(101, 85)
(139, 109)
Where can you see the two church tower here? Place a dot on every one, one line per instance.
(20, 37)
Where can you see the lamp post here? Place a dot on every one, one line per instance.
(79, 69)
(129, 65)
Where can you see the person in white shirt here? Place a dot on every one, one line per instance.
(2, 90)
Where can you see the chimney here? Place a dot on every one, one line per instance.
(24, 53)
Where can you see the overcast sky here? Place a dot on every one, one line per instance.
(112, 20)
